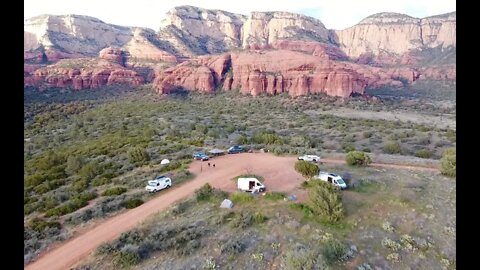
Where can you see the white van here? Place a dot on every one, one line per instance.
(158, 184)
(250, 184)
(332, 178)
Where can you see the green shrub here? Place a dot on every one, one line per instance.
(114, 191)
(132, 203)
(305, 184)
(80, 185)
(392, 147)
(69, 207)
(138, 155)
(77, 202)
(39, 224)
(357, 158)
(325, 200)
(348, 148)
(266, 138)
(333, 251)
(307, 169)
(242, 139)
(170, 166)
(125, 258)
(180, 207)
(302, 259)
(49, 159)
(35, 180)
(90, 170)
(305, 209)
(275, 196)
(449, 162)
(50, 202)
(240, 197)
(48, 185)
(423, 153)
(86, 196)
(74, 164)
(100, 181)
(245, 219)
(195, 142)
(204, 193)
(451, 135)
(259, 218)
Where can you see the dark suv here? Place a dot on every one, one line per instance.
(235, 149)
(200, 156)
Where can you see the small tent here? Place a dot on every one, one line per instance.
(165, 161)
(226, 204)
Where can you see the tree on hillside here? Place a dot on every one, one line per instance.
(307, 169)
(358, 158)
(325, 200)
(74, 164)
(138, 155)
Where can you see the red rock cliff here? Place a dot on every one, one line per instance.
(278, 71)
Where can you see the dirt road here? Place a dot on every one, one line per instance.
(278, 172)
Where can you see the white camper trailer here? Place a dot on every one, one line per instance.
(250, 184)
(332, 178)
(158, 184)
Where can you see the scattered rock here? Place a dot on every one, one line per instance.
(364, 266)
(306, 228)
(292, 224)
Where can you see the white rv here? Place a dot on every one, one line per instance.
(158, 184)
(332, 178)
(250, 184)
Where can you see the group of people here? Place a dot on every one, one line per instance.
(212, 164)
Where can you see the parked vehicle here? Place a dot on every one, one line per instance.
(200, 156)
(311, 158)
(235, 149)
(158, 184)
(332, 178)
(250, 184)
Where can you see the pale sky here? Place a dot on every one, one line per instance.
(336, 14)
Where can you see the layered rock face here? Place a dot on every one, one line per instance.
(74, 36)
(439, 30)
(323, 50)
(145, 45)
(397, 34)
(274, 72)
(264, 28)
(196, 31)
(84, 73)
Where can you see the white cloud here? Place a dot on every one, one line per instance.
(336, 14)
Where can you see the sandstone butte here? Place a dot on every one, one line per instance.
(265, 52)
(108, 69)
(278, 71)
